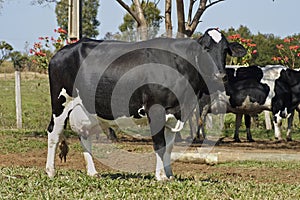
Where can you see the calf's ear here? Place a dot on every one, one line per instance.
(236, 49)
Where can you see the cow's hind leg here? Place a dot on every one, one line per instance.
(55, 130)
(248, 126)
(86, 144)
(238, 121)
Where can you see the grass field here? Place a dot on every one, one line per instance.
(23, 152)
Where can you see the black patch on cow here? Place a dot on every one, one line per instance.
(245, 82)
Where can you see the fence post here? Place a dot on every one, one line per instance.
(18, 98)
(268, 120)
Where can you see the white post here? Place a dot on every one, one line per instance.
(268, 120)
(74, 22)
(18, 98)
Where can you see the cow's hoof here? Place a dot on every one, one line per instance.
(237, 140)
(289, 139)
(251, 140)
(50, 172)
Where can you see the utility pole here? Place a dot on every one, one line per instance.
(75, 20)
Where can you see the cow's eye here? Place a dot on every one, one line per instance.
(207, 48)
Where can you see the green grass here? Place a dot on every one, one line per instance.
(32, 183)
(35, 104)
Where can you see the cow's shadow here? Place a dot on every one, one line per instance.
(127, 176)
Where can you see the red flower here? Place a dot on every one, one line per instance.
(251, 45)
(295, 47)
(41, 38)
(254, 51)
(287, 40)
(40, 53)
(60, 30)
(276, 58)
(298, 54)
(279, 46)
(286, 59)
(234, 37)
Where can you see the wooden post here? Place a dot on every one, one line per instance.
(268, 120)
(18, 98)
(74, 22)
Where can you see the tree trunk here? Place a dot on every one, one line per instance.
(180, 18)
(142, 23)
(168, 20)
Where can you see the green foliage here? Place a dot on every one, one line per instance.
(19, 60)
(89, 16)
(270, 49)
(5, 50)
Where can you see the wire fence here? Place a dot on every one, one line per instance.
(35, 101)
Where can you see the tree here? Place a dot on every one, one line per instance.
(5, 50)
(89, 16)
(152, 16)
(188, 27)
(138, 14)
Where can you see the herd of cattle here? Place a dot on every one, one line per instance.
(160, 79)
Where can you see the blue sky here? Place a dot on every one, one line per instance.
(21, 22)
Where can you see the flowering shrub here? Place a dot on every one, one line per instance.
(248, 44)
(288, 52)
(43, 50)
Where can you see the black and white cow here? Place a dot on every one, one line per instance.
(159, 79)
(250, 90)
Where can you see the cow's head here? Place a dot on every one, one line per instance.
(218, 47)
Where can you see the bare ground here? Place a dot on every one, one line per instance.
(183, 169)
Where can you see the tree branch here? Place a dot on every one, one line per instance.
(190, 11)
(202, 7)
(213, 3)
(129, 10)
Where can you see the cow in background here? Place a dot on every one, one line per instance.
(250, 90)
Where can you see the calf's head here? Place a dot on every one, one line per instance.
(217, 46)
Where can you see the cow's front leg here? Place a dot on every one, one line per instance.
(238, 121)
(289, 128)
(277, 124)
(55, 130)
(162, 142)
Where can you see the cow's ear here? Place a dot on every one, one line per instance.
(236, 49)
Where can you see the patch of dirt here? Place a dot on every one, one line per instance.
(196, 171)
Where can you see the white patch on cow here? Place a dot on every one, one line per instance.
(277, 125)
(82, 122)
(160, 174)
(140, 110)
(86, 143)
(65, 94)
(169, 116)
(215, 35)
(270, 74)
(178, 127)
